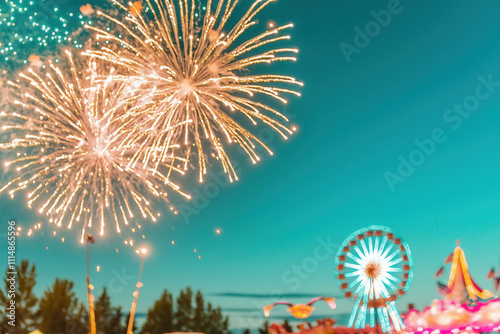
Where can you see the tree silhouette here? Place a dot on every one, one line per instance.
(108, 319)
(287, 327)
(25, 300)
(183, 314)
(160, 317)
(199, 317)
(216, 323)
(60, 310)
(263, 329)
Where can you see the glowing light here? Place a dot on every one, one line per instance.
(35, 60)
(447, 317)
(87, 10)
(74, 164)
(300, 311)
(28, 27)
(459, 262)
(196, 79)
(135, 8)
(463, 308)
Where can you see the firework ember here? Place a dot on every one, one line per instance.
(195, 72)
(70, 156)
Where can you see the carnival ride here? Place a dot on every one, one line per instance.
(300, 311)
(465, 308)
(374, 267)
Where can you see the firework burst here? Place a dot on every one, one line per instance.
(70, 157)
(198, 91)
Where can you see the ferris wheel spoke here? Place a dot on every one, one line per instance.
(395, 317)
(372, 289)
(390, 264)
(383, 290)
(394, 270)
(392, 278)
(354, 311)
(361, 322)
(387, 250)
(354, 273)
(361, 286)
(382, 246)
(354, 266)
(388, 283)
(361, 255)
(352, 256)
(355, 282)
(375, 248)
(369, 289)
(376, 291)
(363, 244)
(393, 254)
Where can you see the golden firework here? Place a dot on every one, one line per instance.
(70, 156)
(194, 71)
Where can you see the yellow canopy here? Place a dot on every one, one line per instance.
(36, 331)
(461, 286)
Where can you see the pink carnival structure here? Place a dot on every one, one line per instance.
(466, 308)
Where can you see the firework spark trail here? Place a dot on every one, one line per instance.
(193, 78)
(70, 156)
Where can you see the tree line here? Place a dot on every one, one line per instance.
(58, 310)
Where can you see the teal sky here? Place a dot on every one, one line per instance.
(356, 121)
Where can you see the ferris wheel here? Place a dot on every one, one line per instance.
(374, 267)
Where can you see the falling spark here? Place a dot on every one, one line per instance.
(198, 89)
(70, 158)
(35, 26)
